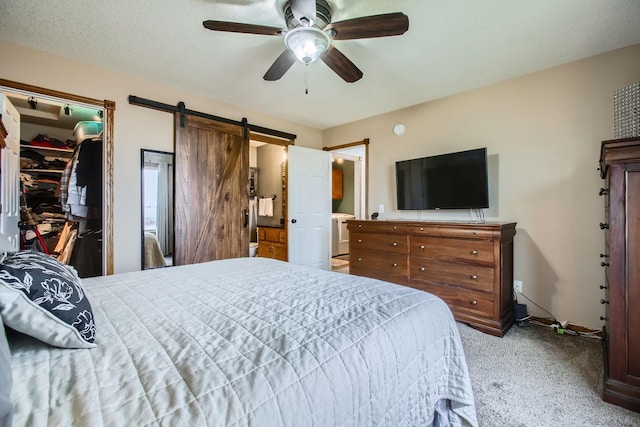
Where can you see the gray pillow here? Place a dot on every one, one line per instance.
(6, 408)
(43, 298)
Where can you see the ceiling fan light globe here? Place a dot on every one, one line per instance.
(307, 43)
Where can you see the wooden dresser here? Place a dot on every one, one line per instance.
(272, 242)
(620, 167)
(469, 266)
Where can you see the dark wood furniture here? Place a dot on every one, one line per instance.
(469, 266)
(620, 167)
(336, 184)
(272, 242)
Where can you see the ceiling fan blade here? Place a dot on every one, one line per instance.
(304, 10)
(341, 65)
(388, 24)
(236, 27)
(280, 66)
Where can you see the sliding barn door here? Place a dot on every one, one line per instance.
(211, 191)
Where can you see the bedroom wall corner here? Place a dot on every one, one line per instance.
(543, 134)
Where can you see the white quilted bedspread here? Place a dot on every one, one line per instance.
(248, 342)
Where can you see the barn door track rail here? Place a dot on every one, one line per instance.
(182, 110)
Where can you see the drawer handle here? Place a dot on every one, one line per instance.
(359, 259)
(474, 302)
(474, 277)
(359, 225)
(421, 229)
(394, 244)
(359, 240)
(394, 264)
(422, 269)
(422, 247)
(474, 252)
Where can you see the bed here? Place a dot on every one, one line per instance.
(248, 342)
(153, 256)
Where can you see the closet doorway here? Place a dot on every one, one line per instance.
(70, 120)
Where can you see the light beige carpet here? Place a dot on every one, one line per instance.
(534, 377)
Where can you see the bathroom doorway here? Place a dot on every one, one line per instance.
(349, 199)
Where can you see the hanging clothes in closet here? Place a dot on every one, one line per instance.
(80, 244)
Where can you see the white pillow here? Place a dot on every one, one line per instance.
(6, 245)
(6, 407)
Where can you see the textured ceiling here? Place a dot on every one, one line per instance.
(451, 46)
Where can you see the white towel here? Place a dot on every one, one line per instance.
(261, 206)
(265, 207)
(268, 207)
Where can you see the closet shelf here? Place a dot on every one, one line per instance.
(51, 149)
(42, 170)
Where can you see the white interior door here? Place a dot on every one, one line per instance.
(10, 174)
(309, 200)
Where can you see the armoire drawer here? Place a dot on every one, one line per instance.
(469, 276)
(387, 243)
(458, 299)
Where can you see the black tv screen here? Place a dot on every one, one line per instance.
(447, 181)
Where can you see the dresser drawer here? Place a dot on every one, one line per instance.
(453, 230)
(459, 299)
(374, 242)
(378, 263)
(464, 250)
(464, 275)
(387, 276)
(376, 227)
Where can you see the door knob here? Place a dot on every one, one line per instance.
(293, 221)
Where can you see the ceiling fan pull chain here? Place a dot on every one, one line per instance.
(306, 83)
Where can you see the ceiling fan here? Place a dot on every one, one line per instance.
(309, 34)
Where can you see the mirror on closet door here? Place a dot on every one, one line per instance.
(157, 208)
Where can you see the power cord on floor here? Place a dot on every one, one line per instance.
(559, 327)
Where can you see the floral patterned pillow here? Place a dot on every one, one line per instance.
(43, 298)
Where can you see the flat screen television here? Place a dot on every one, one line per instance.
(448, 181)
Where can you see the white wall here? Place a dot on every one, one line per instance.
(543, 133)
(135, 127)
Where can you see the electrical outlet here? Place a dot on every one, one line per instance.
(517, 285)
